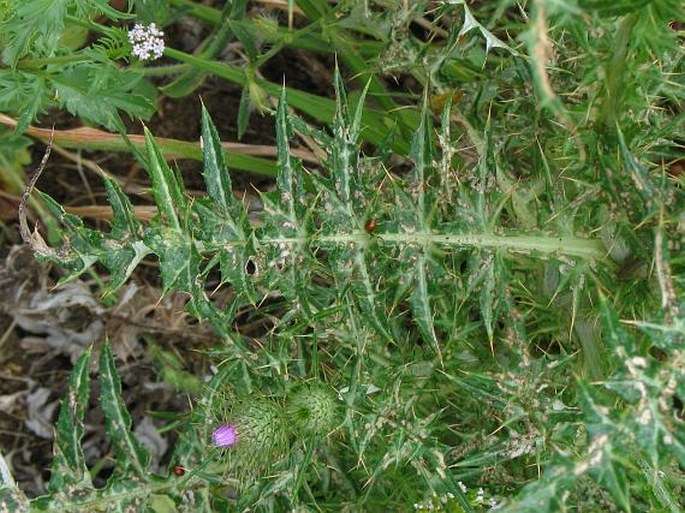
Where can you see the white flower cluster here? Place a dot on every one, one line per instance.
(147, 41)
(447, 502)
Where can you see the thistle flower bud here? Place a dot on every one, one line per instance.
(256, 436)
(260, 427)
(313, 408)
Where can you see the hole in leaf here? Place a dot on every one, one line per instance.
(250, 268)
(212, 278)
(463, 267)
(257, 322)
(546, 345)
(678, 407)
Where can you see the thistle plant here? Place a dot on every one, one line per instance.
(500, 310)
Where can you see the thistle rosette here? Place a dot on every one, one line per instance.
(313, 408)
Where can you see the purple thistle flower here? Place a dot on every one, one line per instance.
(225, 435)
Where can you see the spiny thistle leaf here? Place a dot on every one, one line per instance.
(166, 187)
(422, 174)
(343, 150)
(284, 258)
(69, 468)
(289, 178)
(491, 41)
(215, 172)
(84, 245)
(125, 249)
(125, 224)
(223, 220)
(132, 458)
(322, 227)
(12, 499)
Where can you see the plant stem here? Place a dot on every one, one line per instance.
(34, 64)
(614, 73)
(528, 244)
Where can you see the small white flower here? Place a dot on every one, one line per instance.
(146, 42)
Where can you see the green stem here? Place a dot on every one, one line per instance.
(227, 71)
(527, 244)
(199, 11)
(615, 75)
(349, 52)
(537, 245)
(35, 64)
(302, 39)
(160, 71)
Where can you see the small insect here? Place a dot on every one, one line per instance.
(370, 225)
(179, 470)
(437, 103)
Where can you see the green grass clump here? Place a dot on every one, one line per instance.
(496, 321)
